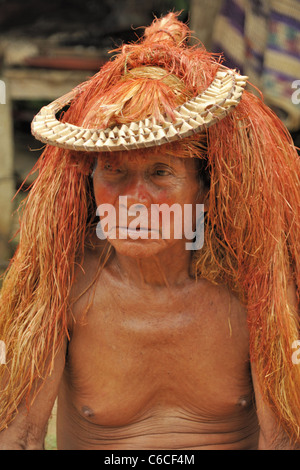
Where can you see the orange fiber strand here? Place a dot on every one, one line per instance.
(252, 238)
(252, 231)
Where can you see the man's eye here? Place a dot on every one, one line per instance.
(162, 172)
(110, 168)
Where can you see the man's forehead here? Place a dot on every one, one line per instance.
(138, 158)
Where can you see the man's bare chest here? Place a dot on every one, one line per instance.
(198, 318)
(133, 351)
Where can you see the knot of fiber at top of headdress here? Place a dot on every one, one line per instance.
(167, 29)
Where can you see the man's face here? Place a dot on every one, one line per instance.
(135, 187)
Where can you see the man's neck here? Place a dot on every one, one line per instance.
(166, 269)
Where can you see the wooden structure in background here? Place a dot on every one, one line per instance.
(6, 175)
(30, 83)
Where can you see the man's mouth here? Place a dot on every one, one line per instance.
(138, 231)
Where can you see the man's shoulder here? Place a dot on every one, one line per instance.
(87, 269)
(220, 295)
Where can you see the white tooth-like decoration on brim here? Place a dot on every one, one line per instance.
(192, 117)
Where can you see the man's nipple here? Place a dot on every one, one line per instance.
(244, 402)
(87, 412)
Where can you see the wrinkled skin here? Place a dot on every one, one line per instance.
(159, 360)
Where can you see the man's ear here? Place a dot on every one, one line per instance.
(206, 199)
(203, 197)
(94, 167)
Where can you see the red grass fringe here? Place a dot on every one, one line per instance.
(252, 228)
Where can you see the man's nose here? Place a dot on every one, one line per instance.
(137, 191)
(134, 208)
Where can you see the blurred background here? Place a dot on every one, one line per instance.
(47, 48)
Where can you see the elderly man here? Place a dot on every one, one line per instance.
(147, 343)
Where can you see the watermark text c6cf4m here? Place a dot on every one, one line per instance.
(296, 94)
(2, 92)
(2, 353)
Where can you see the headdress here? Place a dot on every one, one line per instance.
(160, 91)
(194, 116)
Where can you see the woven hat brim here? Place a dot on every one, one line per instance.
(194, 116)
